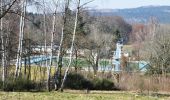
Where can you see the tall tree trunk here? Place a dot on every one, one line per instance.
(60, 53)
(45, 38)
(25, 66)
(58, 61)
(51, 55)
(96, 63)
(29, 63)
(72, 46)
(3, 47)
(76, 62)
(45, 33)
(21, 36)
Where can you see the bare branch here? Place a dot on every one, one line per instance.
(8, 9)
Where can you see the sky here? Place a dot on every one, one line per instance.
(121, 4)
(112, 4)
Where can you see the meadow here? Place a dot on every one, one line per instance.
(78, 95)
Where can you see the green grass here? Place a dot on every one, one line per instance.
(81, 62)
(74, 96)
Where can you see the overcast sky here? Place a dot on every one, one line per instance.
(120, 4)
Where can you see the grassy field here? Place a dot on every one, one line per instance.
(81, 62)
(75, 96)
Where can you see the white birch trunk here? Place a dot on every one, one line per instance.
(45, 33)
(72, 46)
(51, 54)
(2, 46)
(21, 35)
(60, 56)
(59, 49)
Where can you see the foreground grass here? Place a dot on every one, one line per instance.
(74, 96)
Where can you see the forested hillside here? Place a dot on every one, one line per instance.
(141, 14)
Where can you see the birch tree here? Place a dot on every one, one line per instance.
(52, 44)
(21, 35)
(72, 46)
(3, 47)
(60, 51)
(45, 31)
(51, 54)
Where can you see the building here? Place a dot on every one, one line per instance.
(117, 56)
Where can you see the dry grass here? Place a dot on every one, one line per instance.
(142, 83)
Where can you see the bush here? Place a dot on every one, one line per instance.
(77, 81)
(19, 84)
(103, 84)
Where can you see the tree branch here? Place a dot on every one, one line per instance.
(8, 9)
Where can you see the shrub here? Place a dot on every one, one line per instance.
(77, 81)
(103, 84)
(19, 84)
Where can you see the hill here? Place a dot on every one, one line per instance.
(141, 14)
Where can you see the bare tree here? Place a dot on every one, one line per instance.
(157, 49)
(93, 60)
